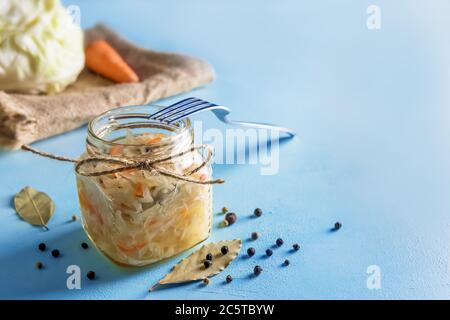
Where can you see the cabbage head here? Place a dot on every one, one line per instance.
(41, 49)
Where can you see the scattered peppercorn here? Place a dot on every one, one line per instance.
(74, 218)
(55, 253)
(224, 210)
(337, 226)
(258, 212)
(39, 265)
(280, 242)
(209, 257)
(207, 264)
(84, 245)
(257, 270)
(231, 217)
(90, 275)
(224, 250)
(296, 246)
(251, 252)
(255, 235)
(229, 278)
(286, 262)
(269, 252)
(206, 281)
(42, 246)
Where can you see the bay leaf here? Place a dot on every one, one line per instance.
(191, 268)
(34, 207)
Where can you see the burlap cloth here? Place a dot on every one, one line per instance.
(27, 118)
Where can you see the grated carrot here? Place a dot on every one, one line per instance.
(116, 150)
(156, 138)
(139, 190)
(90, 208)
(130, 249)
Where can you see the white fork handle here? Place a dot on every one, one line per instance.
(222, 113)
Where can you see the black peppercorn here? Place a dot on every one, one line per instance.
(42, 246)
(286, 262)
(258, 212)
(224, 250)
(39, 265)
(206, 281)
(257, 270)
(280, 242)
(296, 246)
(55, 253)
(251, 252)
(90, 275)
(337, 226)
(269, 252)
(207, 264)
(84, 245)
(209, 257)
(255, 235)
(229, 278)
(231, 217)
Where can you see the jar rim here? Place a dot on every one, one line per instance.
(180, 128)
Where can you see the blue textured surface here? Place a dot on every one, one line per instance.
(371, 109)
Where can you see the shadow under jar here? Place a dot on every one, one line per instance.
(139, 216)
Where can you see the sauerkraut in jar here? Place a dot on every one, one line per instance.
(139, 216)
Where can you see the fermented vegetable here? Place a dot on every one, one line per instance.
(137, 217)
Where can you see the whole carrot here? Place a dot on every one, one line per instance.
(106, 61)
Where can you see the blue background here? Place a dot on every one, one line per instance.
(371, 109)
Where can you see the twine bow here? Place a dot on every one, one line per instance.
(124, 164)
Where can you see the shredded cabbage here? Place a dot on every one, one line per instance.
(41, 49)
(138, 217)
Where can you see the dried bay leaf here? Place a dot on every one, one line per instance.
(191, 268)
(34, 207)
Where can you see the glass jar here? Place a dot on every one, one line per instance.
(139, 215)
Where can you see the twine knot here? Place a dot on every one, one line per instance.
(124, 164)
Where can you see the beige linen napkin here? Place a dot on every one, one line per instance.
(26, 118)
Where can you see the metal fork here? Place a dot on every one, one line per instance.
(191, 106)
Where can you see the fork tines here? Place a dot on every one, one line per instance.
(180, 109)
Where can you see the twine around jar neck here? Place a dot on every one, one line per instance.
(124, 163)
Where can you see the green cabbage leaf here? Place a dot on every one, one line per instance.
(41, 48)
